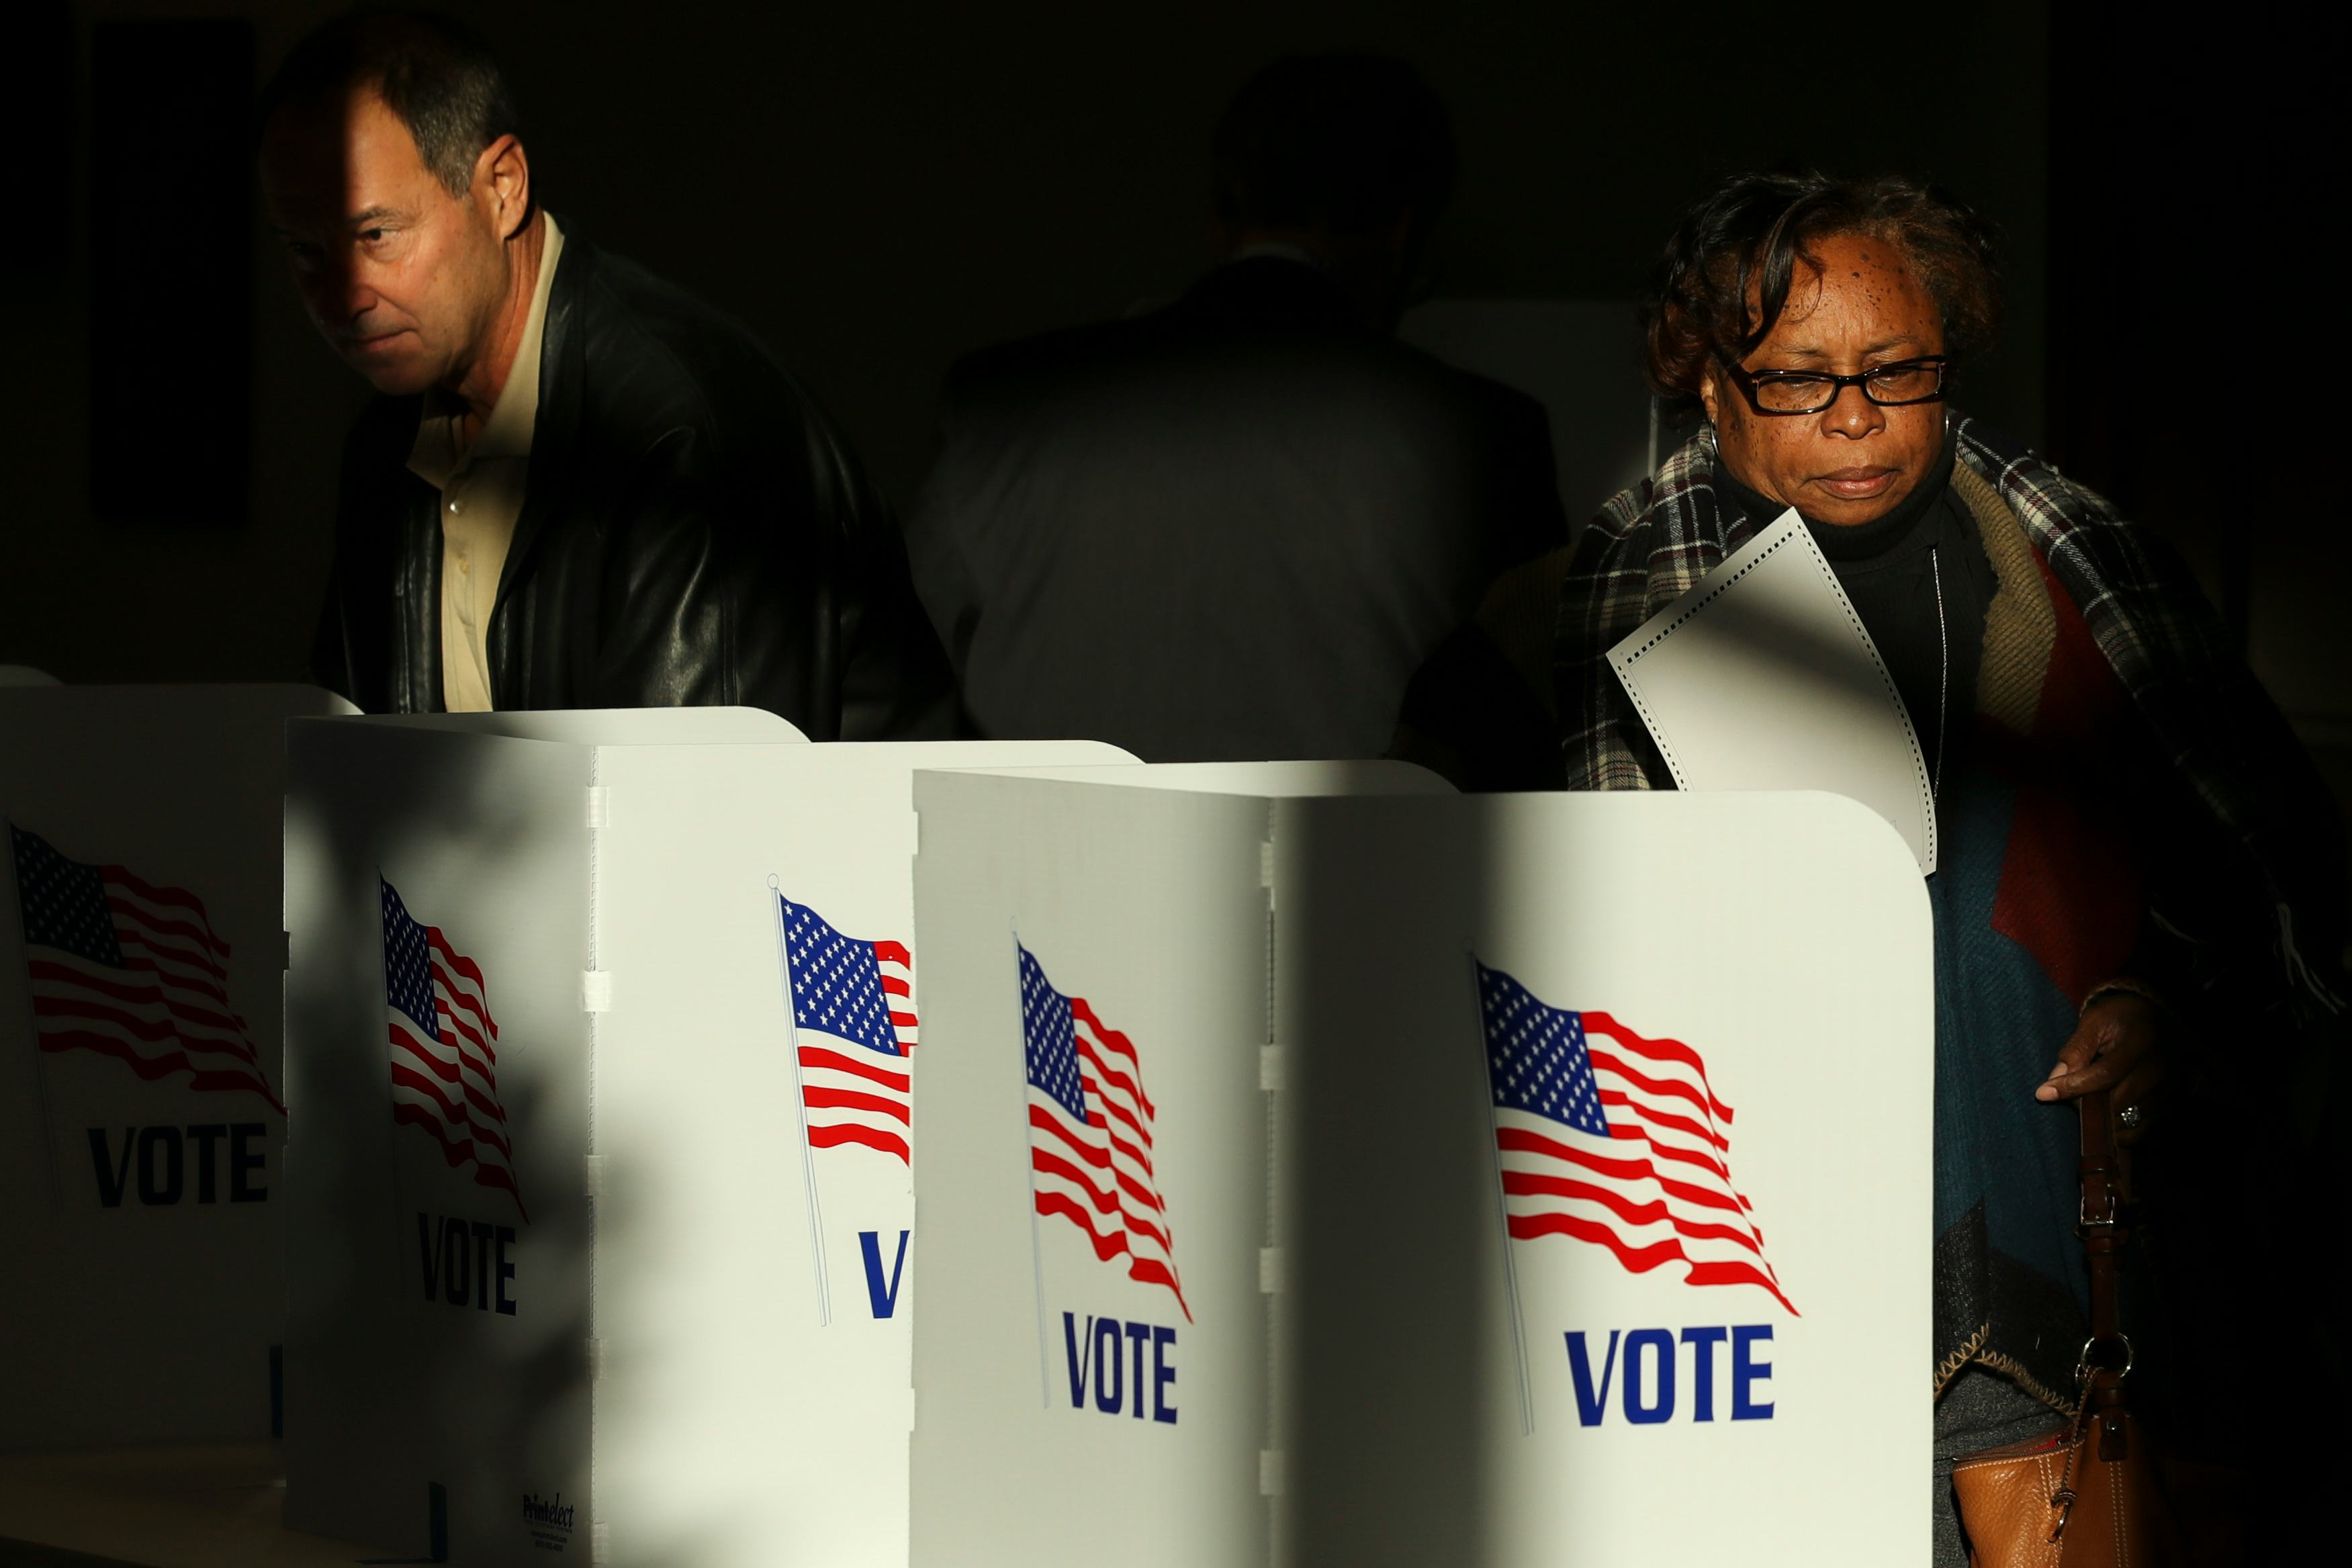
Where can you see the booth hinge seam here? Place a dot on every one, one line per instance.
(600, 806)
(596, 990)
(1269, 1472)
(1269, 1270)
(594, 1181)
(1270, 1067)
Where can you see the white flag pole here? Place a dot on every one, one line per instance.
(800, 1109)
(1028, 1142)
(1503, 1209)
(392, 1142)
(39, 1065)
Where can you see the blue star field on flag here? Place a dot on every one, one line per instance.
(1538, 1055)
(64, 902)
(1050, 1037)
(836, 982)
(408, 966)
(120, 967)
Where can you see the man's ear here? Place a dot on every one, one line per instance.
(1709, 389)
(502, 177)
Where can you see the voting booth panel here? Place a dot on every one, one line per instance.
(656, 1311)
(611, 725)
(436, 899)
(755, 1247)
(1607, 1126)
(437, 1271)
(142, 1100)
(1095, 1390)
(1537, 1179)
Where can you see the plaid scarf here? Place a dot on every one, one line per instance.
(2220, 734)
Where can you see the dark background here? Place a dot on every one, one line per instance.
(878, 188)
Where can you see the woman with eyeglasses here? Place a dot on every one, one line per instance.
(2137, 861)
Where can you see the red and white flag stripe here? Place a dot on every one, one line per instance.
(166, 1009)
(898, 966)
(1658, 1188)
(1098, 1175)
(854, 1095)
(445, 1081)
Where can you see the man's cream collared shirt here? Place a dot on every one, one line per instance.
(481, 490)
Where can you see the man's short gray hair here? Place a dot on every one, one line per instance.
(437, 76)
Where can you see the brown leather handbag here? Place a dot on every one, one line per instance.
(2089, 1492)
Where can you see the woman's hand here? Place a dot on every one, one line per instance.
(2115, 1047)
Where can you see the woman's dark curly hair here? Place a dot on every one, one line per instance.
(1750, 234)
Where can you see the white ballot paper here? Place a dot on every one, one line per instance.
(1761, 677)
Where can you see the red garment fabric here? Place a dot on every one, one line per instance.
(2070, 881)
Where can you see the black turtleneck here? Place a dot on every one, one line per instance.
(1891, 568)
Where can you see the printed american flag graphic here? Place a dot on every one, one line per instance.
(132, 970)
(1090, 1132)
(857, 998)
(444, 1059)
(1614, 1139)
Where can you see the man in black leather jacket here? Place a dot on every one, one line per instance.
(582, 487)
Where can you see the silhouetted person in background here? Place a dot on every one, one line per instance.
(1231, 528)
(579, 487)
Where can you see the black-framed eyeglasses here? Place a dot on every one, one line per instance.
(1810, 391)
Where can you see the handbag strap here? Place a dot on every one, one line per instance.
(2107, 1353)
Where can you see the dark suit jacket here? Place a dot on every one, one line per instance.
(1231, 528)
(694, 530)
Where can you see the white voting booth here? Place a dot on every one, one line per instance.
(140, 1091)
(1377, 1177)
(603, 1041)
